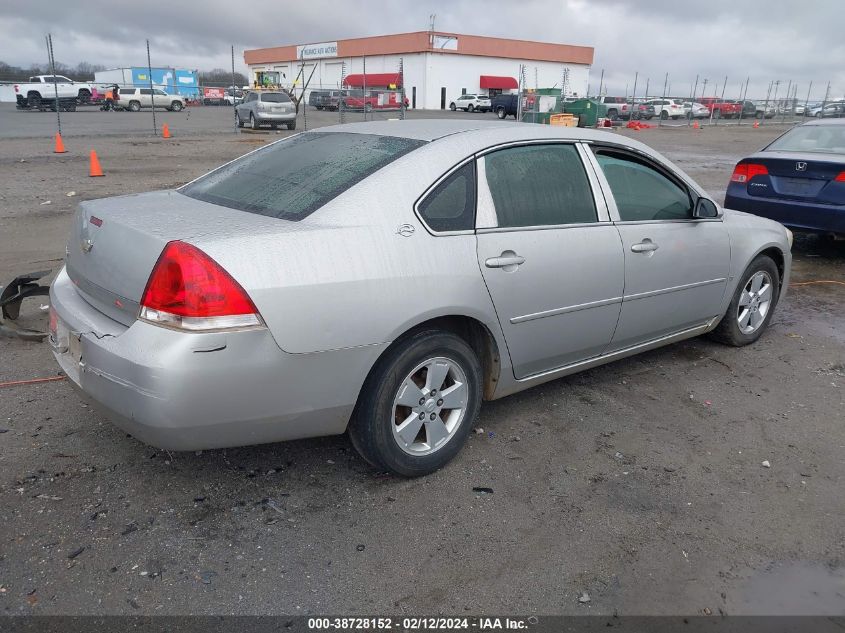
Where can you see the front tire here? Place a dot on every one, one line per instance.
(453, 107)
(752, 306)
(238, 119)
(500, 112)
(253, 122)
(418, 404)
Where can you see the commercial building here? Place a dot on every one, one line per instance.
(436, 67)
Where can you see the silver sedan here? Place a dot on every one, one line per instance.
(384, 278)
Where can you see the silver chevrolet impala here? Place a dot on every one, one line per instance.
(384, 278)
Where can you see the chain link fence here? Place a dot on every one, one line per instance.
(362, 89)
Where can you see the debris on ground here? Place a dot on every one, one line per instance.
(75, 553)
(478, 430)
(584, 597)
(765, 464)
(483, 490)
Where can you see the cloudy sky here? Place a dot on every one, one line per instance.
(772, 40)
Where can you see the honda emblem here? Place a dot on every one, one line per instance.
(800, 166)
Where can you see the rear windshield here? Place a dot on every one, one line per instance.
(275, 97)
(824, 139)
(293, 178)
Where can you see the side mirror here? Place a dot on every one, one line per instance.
(705, 208)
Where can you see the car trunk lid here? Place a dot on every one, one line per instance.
(799, 176)
(116, 242)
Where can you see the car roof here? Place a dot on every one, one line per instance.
(478, 129)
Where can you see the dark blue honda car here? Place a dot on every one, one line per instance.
(797, 180)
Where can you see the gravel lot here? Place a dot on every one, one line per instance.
(639, 483)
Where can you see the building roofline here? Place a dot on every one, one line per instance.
(421, 42)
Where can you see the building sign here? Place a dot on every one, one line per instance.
(316, 51)
(444, 43)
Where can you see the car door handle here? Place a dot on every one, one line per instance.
(505, 260)
(646, 246)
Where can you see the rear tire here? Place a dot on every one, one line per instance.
(238, 119)
(664, 115)
(729, 331)
(176, 106)
(33, 100)
(500, 112)
(134, 106)
(373, 429)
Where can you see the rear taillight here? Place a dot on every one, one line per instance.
(744, 172)
(840, 177)
(190, 291)
(17, 88)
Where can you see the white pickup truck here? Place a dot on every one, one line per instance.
(40, 92)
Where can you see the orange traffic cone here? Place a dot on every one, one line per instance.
(165, 131)
(95, 169)
(756, 124)
(60, 146)
(695, 125)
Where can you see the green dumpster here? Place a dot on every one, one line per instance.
(588, 111)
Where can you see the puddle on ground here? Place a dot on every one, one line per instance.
(793, 589)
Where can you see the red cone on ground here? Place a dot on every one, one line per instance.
(165, 131)
(95, 169)
(60, 146)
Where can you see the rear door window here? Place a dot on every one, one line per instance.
(539, 185)
(293, 178)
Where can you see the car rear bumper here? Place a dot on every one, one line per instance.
(274, 117)
(807, 216)
(192, 391)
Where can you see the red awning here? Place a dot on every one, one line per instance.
(374, 80)
(498, 83)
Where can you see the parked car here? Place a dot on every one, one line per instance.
(798, 179)
(286, 293)
(133, 99)
(327, 99)
(315, 98)
(668, 108)
(799, 109)
(617, 107)
(765, 110)
(505, 105)
(271, 108)
(41, 91)
(695, 110)
(470, 103)
(721, 108)
(831, 110)
(355, 99)
(643, 111)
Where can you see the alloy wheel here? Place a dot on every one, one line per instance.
(429, 406)
(754, 302)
